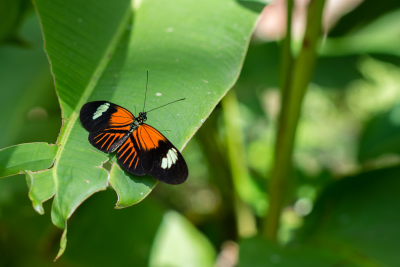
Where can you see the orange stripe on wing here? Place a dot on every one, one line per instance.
(136, 163)
(104, 135)
(129, 155)
(106, 140)
(149, 137)
(112, 142)
(121, 117)
(134, 156)
(122, 147)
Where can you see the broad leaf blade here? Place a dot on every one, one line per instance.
(80, 37)
(380, 135)
(195, 56)
(179, 243)
(34, 156)
(256, 252)
(41, 188)
(131, 189)
(379, 36)
(359, 216)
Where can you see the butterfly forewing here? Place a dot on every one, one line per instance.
(99, 115)
(161, 159)
(107, 123)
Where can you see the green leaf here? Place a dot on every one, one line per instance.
(20, 158)
(130, 189)
(41, 188)
(359, 217)
(257, 252)
(11, 14)
(112, 237)
(380, 36)
(100, 235)
(380, 135)
(178, 243)
(99, 51)
(78, 55)
(27, 86)
(363, 14)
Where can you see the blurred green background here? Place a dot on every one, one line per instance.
(342, 209)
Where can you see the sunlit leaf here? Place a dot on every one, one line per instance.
(178, 243)
(34, 156)
(131, 189)
(41, 188)
(380, 36)
(102, 50)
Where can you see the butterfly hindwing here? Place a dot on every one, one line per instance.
(129, 156)
(160, 158)
(107, 140)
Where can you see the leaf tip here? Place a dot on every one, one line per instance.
(63, 244)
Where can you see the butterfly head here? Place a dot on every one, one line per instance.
(142, 117)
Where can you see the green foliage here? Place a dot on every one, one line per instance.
(258, 252)
(358, 216)
(34, 157)
(335, 206)
(130, 189)
(92, 47)
(12, 13)
(177, 242)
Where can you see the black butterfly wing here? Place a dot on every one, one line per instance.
(142, 151)
(108, 124)
(160, 158)
(129, 156)
(108, 140)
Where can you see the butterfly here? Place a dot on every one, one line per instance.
(141, 149)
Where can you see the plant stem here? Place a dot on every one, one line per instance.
(220, 176)
(286, 55)
(243, 188)
(290, 112)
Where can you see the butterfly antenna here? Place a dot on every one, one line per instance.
(165, 104)
(145, 94)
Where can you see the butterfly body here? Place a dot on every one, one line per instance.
(140, 148)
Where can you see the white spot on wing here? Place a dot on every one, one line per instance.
(100, 110)
(164, 163)
(174, 155)
(169, 159)
(158, 94)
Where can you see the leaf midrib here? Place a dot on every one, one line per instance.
(87, 92)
